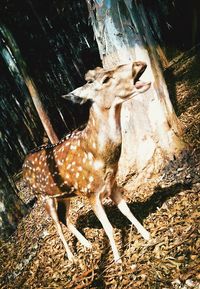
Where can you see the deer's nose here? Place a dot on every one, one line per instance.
(140, 64)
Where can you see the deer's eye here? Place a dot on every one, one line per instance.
(90, 81)
(106, 79)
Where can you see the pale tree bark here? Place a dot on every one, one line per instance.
(151, 130)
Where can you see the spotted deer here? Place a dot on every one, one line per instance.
(86, 163)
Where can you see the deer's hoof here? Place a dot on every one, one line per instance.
(146, 235)
(87, 244)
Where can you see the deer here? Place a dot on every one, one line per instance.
(85, 163)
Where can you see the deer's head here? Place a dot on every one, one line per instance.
(111, 87)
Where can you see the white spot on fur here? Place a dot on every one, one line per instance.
(90, 156)
(91, 179)
(88, 186)
(98, 165)
(68, 166)
(73, 147)
(59, 162)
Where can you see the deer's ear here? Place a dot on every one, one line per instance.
(74, 98)
(92, 74)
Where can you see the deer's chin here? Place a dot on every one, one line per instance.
(139, 87)
(142, 86)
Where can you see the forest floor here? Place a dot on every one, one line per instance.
(169, 207)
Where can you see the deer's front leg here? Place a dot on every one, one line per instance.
(101, 215)
(51, 207)
(116, 196)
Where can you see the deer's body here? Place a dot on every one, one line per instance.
(86, 163)
(80, 163)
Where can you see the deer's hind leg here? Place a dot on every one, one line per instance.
(71, 227)
(51, 207)
(116, 196)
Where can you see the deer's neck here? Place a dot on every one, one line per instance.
(104, 129)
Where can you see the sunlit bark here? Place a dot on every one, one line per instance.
(151, 130)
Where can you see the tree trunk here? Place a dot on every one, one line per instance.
(40, 110)
(12, 209)
(151, 130)
(18, 70)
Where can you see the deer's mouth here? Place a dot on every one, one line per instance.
(141, 85)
